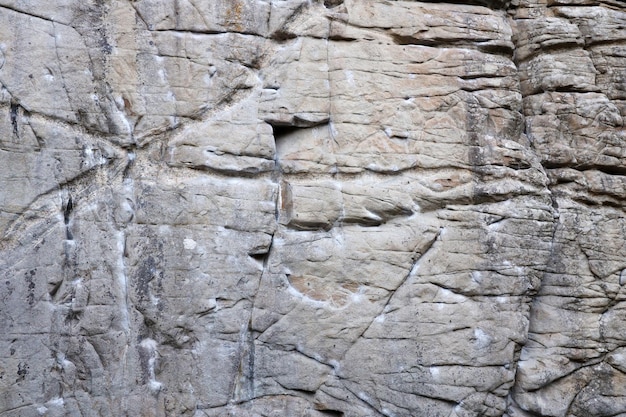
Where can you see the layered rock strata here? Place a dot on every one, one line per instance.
(307, 208)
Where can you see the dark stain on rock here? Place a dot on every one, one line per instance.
(22, 371)
(144, 360)
(145, 274)
(13, 113)
(72, 316)
(29, 278)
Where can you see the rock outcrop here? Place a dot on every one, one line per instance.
(312, 208)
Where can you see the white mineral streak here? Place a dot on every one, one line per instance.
(312, 208)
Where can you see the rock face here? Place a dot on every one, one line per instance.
(312, 208)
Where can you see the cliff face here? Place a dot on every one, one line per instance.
(307, 208)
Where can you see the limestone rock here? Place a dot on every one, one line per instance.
(312, 208)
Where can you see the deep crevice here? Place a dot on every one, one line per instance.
(282, 35)
(606, 169)
(259, 257)
(67, 212)
(55, 289)
(548, 49)
(329, 4)
(505, 51)
(280, 131)
(332, 413)
(493, 4)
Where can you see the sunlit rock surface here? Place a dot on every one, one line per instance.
(312, 208)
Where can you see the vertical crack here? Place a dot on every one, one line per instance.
(13, 113)
(67, 212)
(243, 389)
(244, 385)
(527, 134)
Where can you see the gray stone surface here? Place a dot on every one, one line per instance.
(312, 208)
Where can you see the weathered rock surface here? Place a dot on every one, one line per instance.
(312, 208)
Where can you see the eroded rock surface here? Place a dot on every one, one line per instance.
(312, 208)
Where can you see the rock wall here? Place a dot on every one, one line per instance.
(312, 208)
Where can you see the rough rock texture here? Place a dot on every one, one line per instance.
(312, 208)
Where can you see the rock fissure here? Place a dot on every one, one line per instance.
(312, 208)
